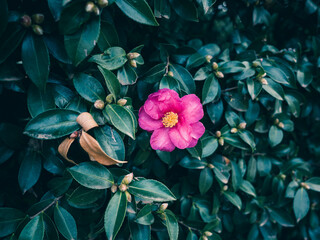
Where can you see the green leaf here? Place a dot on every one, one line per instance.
(301, 204)
(275, 135)
(3, 15)
(110, 141)
(185, 9)
(112, 82)
(232, 118)
(209, 146)
(210, 89)
(138, 10)
(277, 75)
(52, 124)
(151, 190)
(114, 215)
(248, 138)
(232, 67)
(192, 163)
(247, 187)
(10, 40)
(34, 230)
(113, 58)
(80, 44)
(145, 216)
(252, 169)
(108, 36)
(162, 9)
(55, 8)
(207, 4)
(73, 16)
(9, 220)
(215, 111)
(83, 197)
(236, 176)
(172, 224)
(314, 183)
(169, 82)
(30, 170)
(184, 78)
(154, 74)
(121, 119)
(88, 87)
(254, 88)
(60, 185)
(274, 89)
(205, 180)
(92, 175)
(139, 231)
(237, 101)
(195, 60)
(234, 199)
(281, 217)
(221, 176)
(127, 75)
(38, 101)
(264, 165)
(56, 48)
(35, 59)
(65, 223)
(304, 74)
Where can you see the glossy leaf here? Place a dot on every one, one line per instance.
(185, 9)
(108, 36)
(34, 229)
(234, 199)
(210, 89)
(314, 183)
(172, 224)
(184, 77)
(205, 180)
(9, 220)
(111, 81)
(301, 204)
(275, 135)
(65, 223)
(127, 75)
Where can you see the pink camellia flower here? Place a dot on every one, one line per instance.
(174, 121)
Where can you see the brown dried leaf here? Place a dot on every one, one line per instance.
(63, 148)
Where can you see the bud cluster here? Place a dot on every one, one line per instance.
(34, 21)
(216, 71)
(96, 6)
(131, 57)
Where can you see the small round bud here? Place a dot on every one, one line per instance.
(215, 66)
(114, 188)
(99, 104)
(38, 18)
(207, 233)
(109, 98)
(96, 10)
(210, 165)
(208, 58)
(221, 141)
(25, 21)
(218, 134)
(263, 81)
(127, 179)
(103, 3)
(264, 74)
(128, 196)
(89, 7)
(234, 130)
(219, 74)
(163, 206)
(133, 63)
(276, 121)
(280, 125)
(170, 74)
(283, 177)
(255, 64)
(123, 187)
(133, 55)
(37, 29)
(204, 238)
(225, 188)
(122, 102)
(242, 125)
(304, 185)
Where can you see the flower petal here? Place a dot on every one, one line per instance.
(180, 135)
(193, 143)
(197, 130)
(160, 140)
(192, 108)
(147, 123)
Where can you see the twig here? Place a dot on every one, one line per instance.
(192, 228)
(167, 65)
(229, 89)
(47, 207)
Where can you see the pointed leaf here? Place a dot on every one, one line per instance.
(65, 223)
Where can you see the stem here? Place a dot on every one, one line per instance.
(167, 65)
(229, 89)
(47, 207)
(192, 228)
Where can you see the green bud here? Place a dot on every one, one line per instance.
(127, 179)
(114, 188)
(234, 130)
(89, 7)
(122, 102)
(218, 134)
(123, 187)
(280, 125)
(133, 55)
(109, 98)
(103, 3)
(210, 166)
(170, 74)
(208, 58)
(263, 81)
(215, 66)
(204, 238)
(163, 206)
(37, 29)
(255, 64)
(304, 185)
(207, 233)
(38, 18)
(225, 188)
(221, 141)
(133, 63)
(276, 121)
(99, 104)
(242, 125)
(219, 74)
(25, 21)
(128, 195)
(96, 10)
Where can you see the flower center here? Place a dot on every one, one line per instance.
(170, 119)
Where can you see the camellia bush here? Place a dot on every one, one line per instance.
(159, 119)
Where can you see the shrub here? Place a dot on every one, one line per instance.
(79, 160)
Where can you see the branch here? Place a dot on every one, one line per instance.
(47, 207)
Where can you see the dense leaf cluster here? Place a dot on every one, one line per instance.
(254, 174)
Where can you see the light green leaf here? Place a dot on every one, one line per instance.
(301, 204)
(34, 230)
(172, 224)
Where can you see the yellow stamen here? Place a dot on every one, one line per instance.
(170, 119)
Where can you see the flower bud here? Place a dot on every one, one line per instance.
(221, 141)
(127, 179)
(264, 74)
(96, 10)
(255, 64)
(133, 55)
(123, 187)
(210, 165)
(162, 216)
(89, 7)
(280, 125)
(304, 185)
(25, 21)
(103, 3)
(276, 121)
(215, 66)
(38, 18)
(204, 238)
(242, 125)
(219, 74)
(208, 58)
(99, 104)
(133, 63)
(207, 233)
(128, 195)
(225, 188)
(263, 81)
(122, 102)
(170, 74)
(37, 29)
(109, 98)
(114, 188)
(75, 134)
(283, 176)
(234, 130)
(218, 134)
(163, 206)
